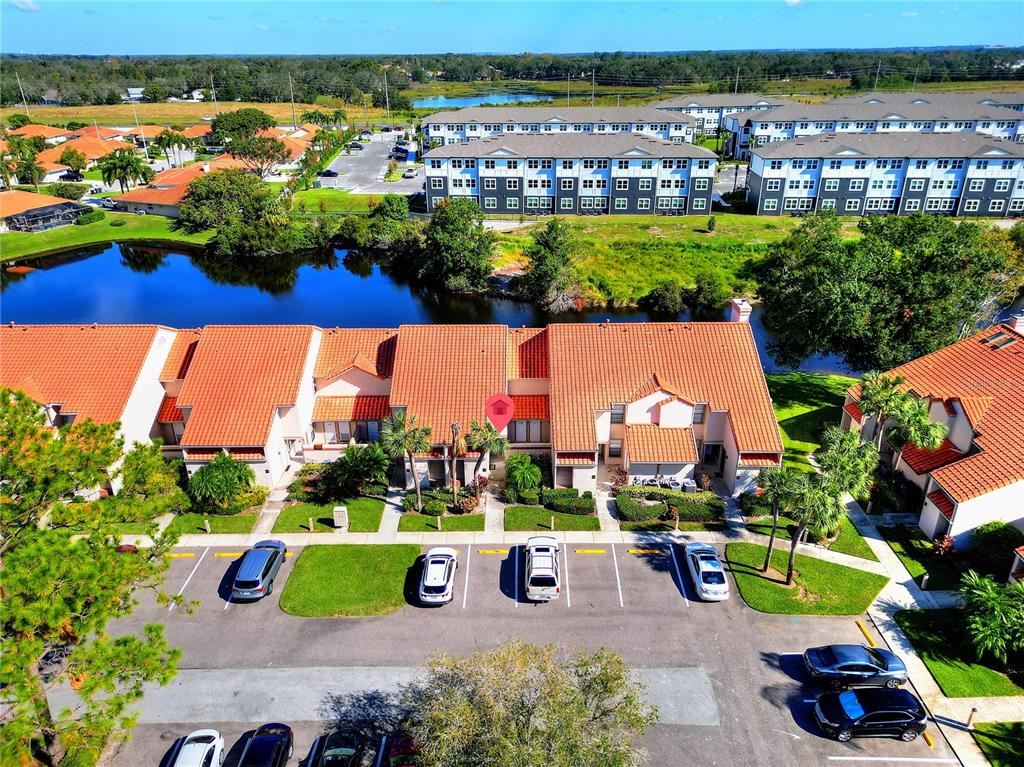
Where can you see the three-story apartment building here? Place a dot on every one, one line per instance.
(475, 123)
(710, 111)
(617, 173)
(960, 174)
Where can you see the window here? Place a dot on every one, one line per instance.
(529, 431)
(912, 206)
(566, 164)
(793, 183)
(490, 203)
(533, 164)
(602, 165)
(920, 164)
(699, 203)
(566, 183)
(665, 183)
(972, 205)
(512, 164)
(856, 184)
(1017, 205)
(829, 204)
(643, 204)
(512, 203)
(622, 164)
(835, 164)
(799, 203)
(618, 413)
(771, 204)
(831, 184)
(916, 184)
(645, 184)
(488, 164)
(981, 164)
(456, 163)
(566, 203)
(490, 183)
(622, 184)
(1001, 185)
(512, 183)
(546, 164)
(437, 183)
(775, 165)
(698, 412)
(621, 203)
(853, 205)
(976, 185)
(615, 448)
(700, 184)
(996, 206)
(435, 164)
(860, 164)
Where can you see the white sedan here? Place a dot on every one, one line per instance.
(707, 572)
(437, 584)
(202, 748)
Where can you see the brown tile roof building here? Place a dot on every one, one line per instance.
(647, 443)
(371, 349)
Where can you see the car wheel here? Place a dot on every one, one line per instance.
(844, 736)
(909, 735)
(892, 684)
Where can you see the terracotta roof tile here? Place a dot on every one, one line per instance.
(445, 373)
(15, 201)
(594, 365)
(361, 407)
(87, 369)
(531, 406)
(648, 443)
(99, 131)
(170, 186)
(942, 502)
(180, 357)
(575, 459)
(527, 353)
(170, 412)
(924, 461)
(197, 131)
(239, 375)
(34, 129)
(200, 454)
(342, 347)
(748, 460)
(240, 454)
(92, 148)
(854, 410)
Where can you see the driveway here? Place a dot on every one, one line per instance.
(727, 680)
(362, 171)
(727, 178)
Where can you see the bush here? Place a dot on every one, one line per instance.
(90, 217)
(580, 507)
(992, 547)
(409, 502)
(691, 507)
(754, 505)
(117, 222)
(434, 508)
(529, 497)
(67, 191)
(666, 298)
(220, 485)
(549, 495)
(375, 490)
(631, 510)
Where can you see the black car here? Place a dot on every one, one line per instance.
(354, 145)
(853, 664)
(270, 746)
(340, 749)
(328, 173)
(872, 713)
(72, 175)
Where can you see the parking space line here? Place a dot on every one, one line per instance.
(675, 564)
(180, 555)
(227, 602)
(644, 551)
(492, 551)
(618, 583)
(589, 551)
(465, 586)
(185, 584)
(901, 759)
(568, 598)
(240, 553)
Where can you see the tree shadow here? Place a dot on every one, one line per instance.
(789, 663)
(755, 570)
(369, 713)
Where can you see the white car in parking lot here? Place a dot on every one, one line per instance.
(437, 584)
(542, 577)
(202, 748)
(707, 572)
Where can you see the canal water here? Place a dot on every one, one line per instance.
(459, 102)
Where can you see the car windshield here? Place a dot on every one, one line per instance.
(713, 578)
(246, 584)
(877, 658)
(542, 581)
(826, 656)
(340, 755)
(851, 704)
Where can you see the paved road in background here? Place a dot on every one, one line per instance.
(362, 171)
(727, 178)
(728, 680)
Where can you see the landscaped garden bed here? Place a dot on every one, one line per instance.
(918, 555)
(411, 522)
(1002, 743)
(847, 541)
(530, 518)
(364, 515)
(655, 509)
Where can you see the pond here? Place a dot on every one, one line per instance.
(458, 102)
(146, 284)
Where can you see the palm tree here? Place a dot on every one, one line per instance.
(488, 440)
(458, 449)
(163, 143)
(8, 172)
(124, 166)
(316, 117)
(995, 615)
(401, 437)
(521, 473)
(847, 463)
(179, 141)
(913, 427)
(339, 117)
(781, 488)
(881, 396)
(817, 509)
(28, 170)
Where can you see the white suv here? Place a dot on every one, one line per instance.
(542, 576)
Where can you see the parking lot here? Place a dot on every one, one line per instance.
(728, 681)
(362, 170)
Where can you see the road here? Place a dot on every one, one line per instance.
(727, 680)
(362, 171)
(727, 179)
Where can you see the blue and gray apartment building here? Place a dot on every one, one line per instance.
(625, 173)
(900, 113)
(709, 112)
(961, 174)
(475, 123)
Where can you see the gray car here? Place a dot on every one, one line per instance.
(855, 665)
(256, 573)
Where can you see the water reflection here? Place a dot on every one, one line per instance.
(458, 102)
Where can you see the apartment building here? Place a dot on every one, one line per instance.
(475, 123)
(955, 174)
(976, 388)
(709, 111)
(618, 173)
(898, 113)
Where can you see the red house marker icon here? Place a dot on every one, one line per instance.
(499, 409)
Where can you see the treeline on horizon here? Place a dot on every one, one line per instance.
(103, 79)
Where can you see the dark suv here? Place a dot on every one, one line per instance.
(270, 746)
(871, 712)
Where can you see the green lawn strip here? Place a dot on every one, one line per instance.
(915, 552)
(15, 245)
(539, 518)
(805, 403)
(821, 588)
(364, 516)
(942, 640)
(334, 201)
(849, 541)
(348, 580)
(412, 522)
(192, 524)
(667, 526)
(1002, 743)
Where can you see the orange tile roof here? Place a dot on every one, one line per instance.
(87, 369)
(854, 410)
(942, 502)
(924, 461)
(92, 148)
(648, 443)
(445, 373)
(197, 131)
(575, 459)
(296, 147)
(202, 455)
(34, 129)
(169, 411)
(988, 382)
(15, 201)
(170, 186)
(531, 406)
(595, 365)
(148, 131)
(361, 407)
(527, 353)
(239, 375)
(155, 195)
(100, 132)
(340, 348)
(748, 460)
(246, 455)
(50, 166)
(180, 356)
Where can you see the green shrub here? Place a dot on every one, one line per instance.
(580, 507)
(79, 757)
(409, 502)
(551, 494)
(692, 507)
(631, 510)
(376, 490)
(992, 547)
(90, 217)
(434, 508)
(117, 222)
(253, 497)
(220, 485)
(67, 191)
(754, 505)
(529, 497)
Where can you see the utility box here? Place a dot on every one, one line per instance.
(341, 519)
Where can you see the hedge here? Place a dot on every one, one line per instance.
(529, 497)
(90, 217)
(692, 507)
(549, 495)
(434, 508)
(631, 510)
(581, 507)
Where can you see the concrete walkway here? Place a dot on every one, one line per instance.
(607, 514)
(494, 514)
(388, 530)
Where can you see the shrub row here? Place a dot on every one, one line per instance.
(90, 217)
(691, 507)
(580, 507)
(631, 510)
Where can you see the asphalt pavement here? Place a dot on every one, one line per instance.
(727, 680)
(362, 170)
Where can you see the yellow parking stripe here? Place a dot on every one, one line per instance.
(590, 551)
(492, 551)
(180, 554)
(645, 551)
(929, 740)
(240, 553)
(867, 636)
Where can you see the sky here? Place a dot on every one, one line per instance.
(467, 26)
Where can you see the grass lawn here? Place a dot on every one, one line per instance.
(334, 200)
(942, 641)
(348, 580)
(1001, 743)
(363, 516)
(667, 526)
(915, 552)
(849, 541)
(192, 524)
(20, 244)
(411, 522)
(821, 588)
(805, 403)
(539, 518)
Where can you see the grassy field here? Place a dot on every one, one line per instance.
(1001, 743)
(348, 580)
(942, 641)
(364, 516)
(805, 403)
(192, 524)
(849, 541)
(412, 522)
(519, 518)
(820, 588)
(15, 245)
(333, 201)
(915, 552)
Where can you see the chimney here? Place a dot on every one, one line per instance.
(739, 310)
(206, 167)
(1017, 322)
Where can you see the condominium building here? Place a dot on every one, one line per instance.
(617, 173)
(959, 174)
(710, 111)
(898, 113)
(476, 123)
